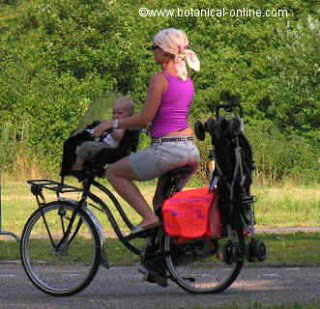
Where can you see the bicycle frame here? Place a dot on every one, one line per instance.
(169, 183)
(162, 253)
(37, 187)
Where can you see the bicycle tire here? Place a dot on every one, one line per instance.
(58, 270)
(212, 267)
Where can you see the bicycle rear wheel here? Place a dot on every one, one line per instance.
(55, 264)
(200, 266)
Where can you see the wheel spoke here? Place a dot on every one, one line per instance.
(197, 266)
(48, 229)
(58, 258)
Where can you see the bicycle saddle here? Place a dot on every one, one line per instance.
(169, 183)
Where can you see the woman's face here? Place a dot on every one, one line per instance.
(160, 56)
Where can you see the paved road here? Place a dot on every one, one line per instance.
(288, 230)
(122, 287)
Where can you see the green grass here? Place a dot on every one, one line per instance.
(285, 206)
(276, 207)
(292, 249)
(288, 205)
(283, 250)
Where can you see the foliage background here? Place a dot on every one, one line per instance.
(59, 57)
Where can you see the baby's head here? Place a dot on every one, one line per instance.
(123, 107)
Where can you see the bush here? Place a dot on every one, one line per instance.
(278, 157)
(59, 57)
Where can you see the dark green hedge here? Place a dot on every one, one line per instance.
(59, 56)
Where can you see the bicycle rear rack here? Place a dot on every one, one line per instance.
(39, 184)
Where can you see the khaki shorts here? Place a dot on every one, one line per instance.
(160, 158)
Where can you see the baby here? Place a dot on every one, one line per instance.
(122, 108)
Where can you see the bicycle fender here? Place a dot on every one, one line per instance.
(102, 235)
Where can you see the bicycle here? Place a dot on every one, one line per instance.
(62, 243)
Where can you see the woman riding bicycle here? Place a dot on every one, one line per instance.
(165, 112)
(65, 225)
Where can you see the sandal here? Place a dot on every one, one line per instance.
(154, 274)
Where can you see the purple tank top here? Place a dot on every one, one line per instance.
(174, 107)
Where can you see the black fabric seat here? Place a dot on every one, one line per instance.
(128, 144)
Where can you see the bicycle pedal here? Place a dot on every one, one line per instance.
(153, 277)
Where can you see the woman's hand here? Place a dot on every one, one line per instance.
(102, 127)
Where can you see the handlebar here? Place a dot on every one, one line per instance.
(228, 108)
(232, 105)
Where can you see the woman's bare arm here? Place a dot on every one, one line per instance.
(157, 87)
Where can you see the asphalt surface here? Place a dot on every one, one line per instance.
(122, 287)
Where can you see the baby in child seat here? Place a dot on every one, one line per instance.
(122, 108)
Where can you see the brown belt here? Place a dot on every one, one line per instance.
(173, 139)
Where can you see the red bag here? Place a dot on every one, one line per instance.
(192, 214)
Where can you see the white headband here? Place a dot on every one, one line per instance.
(175, 42)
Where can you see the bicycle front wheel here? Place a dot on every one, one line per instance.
(204, 266)
(57, 261)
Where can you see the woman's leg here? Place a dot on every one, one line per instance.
(121, 176)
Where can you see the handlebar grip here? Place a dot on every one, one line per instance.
(229, 108)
